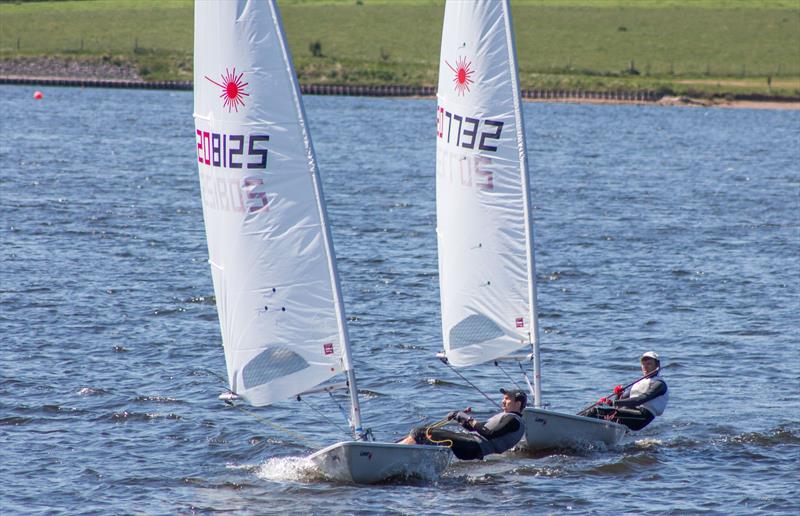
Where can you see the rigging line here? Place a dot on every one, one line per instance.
(218, 377)
(342, 410)
(508, 375)
(308, 443)
(326, 418)
(528, 381)
(472, 384)
(299, 437)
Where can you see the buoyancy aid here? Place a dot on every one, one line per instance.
(503, 442)
(655, 405)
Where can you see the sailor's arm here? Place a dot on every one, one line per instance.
(508, 424)
(656, 388)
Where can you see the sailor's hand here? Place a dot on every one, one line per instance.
(603, 401)
(462, 417)
(618, 390)
(452, 415)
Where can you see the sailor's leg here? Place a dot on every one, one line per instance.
(416, 436)
(419, 435)
(464, 446)
(635, 419)
(407, 440)
(598, 412)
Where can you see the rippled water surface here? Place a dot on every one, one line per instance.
(673, 229)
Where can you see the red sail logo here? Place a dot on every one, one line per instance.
(233, 92)
(463, 75)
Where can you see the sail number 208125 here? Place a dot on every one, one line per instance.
(231, 192)
(232, 150)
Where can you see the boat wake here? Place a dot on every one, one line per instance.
(288, 469)
(647, 443)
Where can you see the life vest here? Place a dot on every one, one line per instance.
(655, 406)
(504, 442)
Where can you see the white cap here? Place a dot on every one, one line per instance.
(651, 354)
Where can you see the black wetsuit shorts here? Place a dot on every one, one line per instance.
(464, 446)
(634, 418)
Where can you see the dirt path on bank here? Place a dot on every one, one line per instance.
(110, 69)
(67, 68)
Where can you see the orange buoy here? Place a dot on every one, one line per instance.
(38, 95)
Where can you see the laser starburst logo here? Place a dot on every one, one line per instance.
(463, 77)
(232, 89)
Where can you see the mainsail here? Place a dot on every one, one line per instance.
(486, 270)
(272, 261)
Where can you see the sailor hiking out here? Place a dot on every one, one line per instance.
(639, 404)
(499, 433)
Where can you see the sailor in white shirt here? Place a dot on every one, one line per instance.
(638, 405)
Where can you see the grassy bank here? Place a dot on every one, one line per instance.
(694, 47)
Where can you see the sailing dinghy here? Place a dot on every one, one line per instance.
(269, 243)
(485, 236)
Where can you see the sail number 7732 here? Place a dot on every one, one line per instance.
(468, 132)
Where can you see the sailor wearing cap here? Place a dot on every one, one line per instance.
(638, 405)
(499, 433)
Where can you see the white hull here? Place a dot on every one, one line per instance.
(546, 429)
(365, 462)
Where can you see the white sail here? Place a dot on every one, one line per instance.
(272, 261)
(482, 203)
(274, 271)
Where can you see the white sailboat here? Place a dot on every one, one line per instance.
(485, 236)
(272, 261)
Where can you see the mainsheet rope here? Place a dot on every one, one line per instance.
(447, 363)
(434, 426)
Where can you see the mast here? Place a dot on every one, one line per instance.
(355, 412)
(524, 175)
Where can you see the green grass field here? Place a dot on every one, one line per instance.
(701, 47)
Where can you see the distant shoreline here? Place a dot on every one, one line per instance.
(568, 96)
(714, 51)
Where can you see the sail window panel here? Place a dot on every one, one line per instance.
(271, 364)
(474, 330)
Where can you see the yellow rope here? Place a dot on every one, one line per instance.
(434, 426)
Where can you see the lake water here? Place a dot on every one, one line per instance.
(673, 229)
